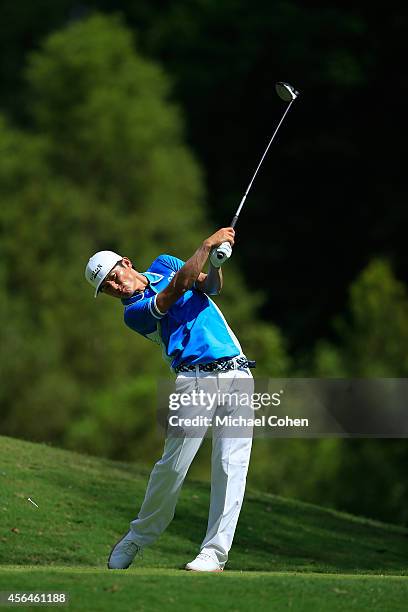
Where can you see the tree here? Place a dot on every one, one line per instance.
(374, 334)
(104, 166)
(372, 341)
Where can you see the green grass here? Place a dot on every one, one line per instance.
(286, 554)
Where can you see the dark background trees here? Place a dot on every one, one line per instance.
(317, 214)
(166, 133)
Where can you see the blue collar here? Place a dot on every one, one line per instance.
(153, 277)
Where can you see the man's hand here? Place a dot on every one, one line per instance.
(221, 246)
(225, 234)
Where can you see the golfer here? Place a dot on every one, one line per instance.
(169, 304)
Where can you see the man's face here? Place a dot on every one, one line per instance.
(121, 281)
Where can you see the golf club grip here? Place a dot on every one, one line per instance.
(220, 255)
(234, 221)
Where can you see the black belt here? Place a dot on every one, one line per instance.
(220, 365)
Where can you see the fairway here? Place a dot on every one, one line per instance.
(287, 554)
(149, 589)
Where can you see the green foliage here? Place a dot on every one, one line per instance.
(105, 166)
(265, 343)
(118, 421)
(372, 340)
(361, 476)
(112, 128)
(378, 334)
(374, 336)
(72, 188)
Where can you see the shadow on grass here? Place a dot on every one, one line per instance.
(275, 535)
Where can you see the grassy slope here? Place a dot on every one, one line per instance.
(291, 554)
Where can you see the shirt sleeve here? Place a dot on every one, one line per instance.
(171, 262)
(142, 316)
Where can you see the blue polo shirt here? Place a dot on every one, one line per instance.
(192, 331)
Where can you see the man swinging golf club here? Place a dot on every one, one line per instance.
(169, 304)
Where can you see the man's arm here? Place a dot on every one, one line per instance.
(210, 283)
(190, 272)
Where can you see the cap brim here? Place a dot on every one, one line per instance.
(97, 290)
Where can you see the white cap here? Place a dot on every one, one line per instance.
(99, 266)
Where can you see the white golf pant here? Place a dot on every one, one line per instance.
(229, 466)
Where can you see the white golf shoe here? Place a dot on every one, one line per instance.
(203, 563)
(123, 553)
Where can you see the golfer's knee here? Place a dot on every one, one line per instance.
(173, 466)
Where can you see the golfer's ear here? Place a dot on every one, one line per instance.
(126, 262)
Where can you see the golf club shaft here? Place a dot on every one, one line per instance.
(283, 90)
(235, 217)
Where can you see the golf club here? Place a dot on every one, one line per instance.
(289, 94)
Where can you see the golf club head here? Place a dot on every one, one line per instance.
(286, 92)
